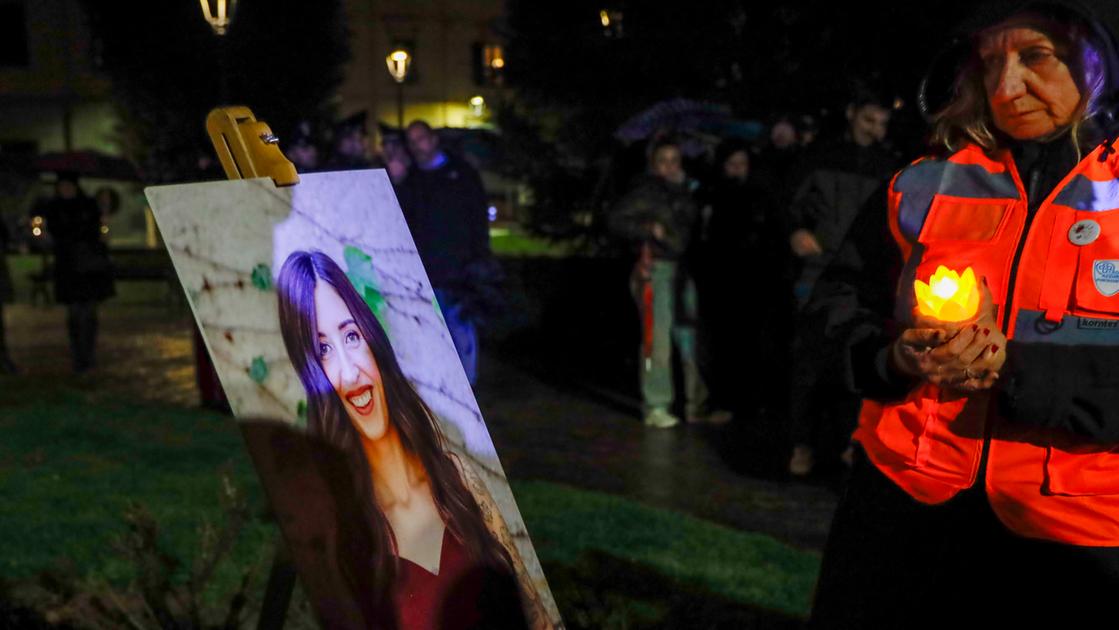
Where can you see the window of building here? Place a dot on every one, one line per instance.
(489, 64)
(612, 20)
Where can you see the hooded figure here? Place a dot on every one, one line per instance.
(990, 481)
(83, 272)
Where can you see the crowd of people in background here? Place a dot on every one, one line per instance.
(727, 249)
(725, 268)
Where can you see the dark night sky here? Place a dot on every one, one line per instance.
(762, 59)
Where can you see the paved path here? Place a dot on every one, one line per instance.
(548, 429)
(545, 430)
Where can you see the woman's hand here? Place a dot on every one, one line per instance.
(958, 357)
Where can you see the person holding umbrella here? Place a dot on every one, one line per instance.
(83, 274)
(658, 216)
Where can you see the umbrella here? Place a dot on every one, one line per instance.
(698, 124)
(678, 115)
(87, 164)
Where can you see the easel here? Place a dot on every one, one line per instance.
(247, 148)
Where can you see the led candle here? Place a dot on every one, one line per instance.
(948, 296)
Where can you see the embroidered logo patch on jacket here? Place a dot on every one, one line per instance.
(1105, 275)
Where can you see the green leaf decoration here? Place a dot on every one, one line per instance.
(258, 371)
(360, 271)
(438, 311)
(301, 413)
(262, 277)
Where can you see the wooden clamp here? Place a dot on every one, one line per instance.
(246, 147)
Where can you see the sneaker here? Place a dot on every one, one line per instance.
(802, 461)
(660, 419)
(716, 417)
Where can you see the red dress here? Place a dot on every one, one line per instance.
(450, 599)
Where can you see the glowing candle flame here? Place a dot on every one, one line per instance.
(948, 296)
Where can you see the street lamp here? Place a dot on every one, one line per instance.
(398, 63)
(477, 105)
(218, 15)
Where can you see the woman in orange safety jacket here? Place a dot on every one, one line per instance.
(991, 466)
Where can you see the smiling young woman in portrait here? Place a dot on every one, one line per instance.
(440, 553)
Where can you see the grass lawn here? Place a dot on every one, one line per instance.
(72, 462)
(72, 459)
(511, 242)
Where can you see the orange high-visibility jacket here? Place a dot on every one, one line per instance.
(970, 210)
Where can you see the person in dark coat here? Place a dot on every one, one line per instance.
(83, 274)
(6, 295)
(742, 251)
(840, 176)
(445, 204)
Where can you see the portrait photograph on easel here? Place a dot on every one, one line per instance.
(317, 312)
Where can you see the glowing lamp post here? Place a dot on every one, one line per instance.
(477, 106)
(948, 296)
(218, 13)
(398, 63)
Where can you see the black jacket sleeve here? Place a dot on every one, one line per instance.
(854, 301)
(1074, 388)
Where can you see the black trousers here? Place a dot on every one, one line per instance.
(892, 562)
(823, 412)
(81, 324)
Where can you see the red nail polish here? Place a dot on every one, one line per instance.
(986, 331)
(974, 327)
(994, 348)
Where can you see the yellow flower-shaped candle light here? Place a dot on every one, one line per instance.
(949, 296)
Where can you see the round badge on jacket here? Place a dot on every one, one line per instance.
(1084, 232)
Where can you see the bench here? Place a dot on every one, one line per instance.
(130, 264)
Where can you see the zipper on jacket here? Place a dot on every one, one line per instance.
(1012, 280)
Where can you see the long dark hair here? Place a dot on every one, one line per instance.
(413, 420)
